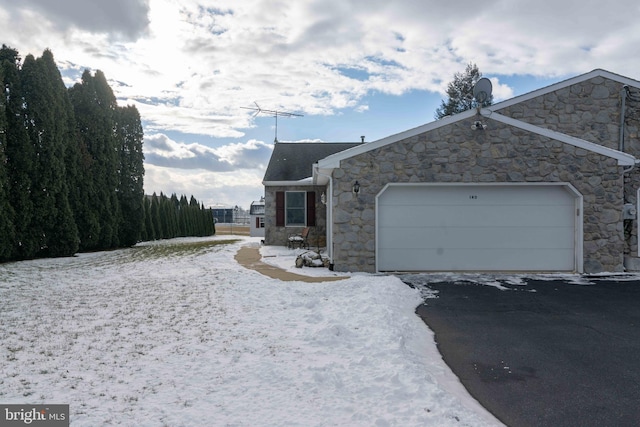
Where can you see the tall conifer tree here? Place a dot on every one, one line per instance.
(48, 126)
(129, 137)
(94, 105)
(155, 217)
(20, 157)
(7, 233)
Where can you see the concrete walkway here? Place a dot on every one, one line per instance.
(249, 257)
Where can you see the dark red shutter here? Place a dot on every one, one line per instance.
(311, 208)
(257, 222)
(279, 208)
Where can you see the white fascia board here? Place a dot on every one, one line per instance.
(623, 159)
(302, 182)
(333, 161)
(561, 85)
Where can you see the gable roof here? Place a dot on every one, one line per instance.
(333, 161)
(565, 83)
(293, 161)
(326, 164)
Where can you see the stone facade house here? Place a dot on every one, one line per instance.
(546, 181)
(293, 200)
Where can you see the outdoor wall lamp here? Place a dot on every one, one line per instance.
(478, 125)
(323, 198)
(356, 187)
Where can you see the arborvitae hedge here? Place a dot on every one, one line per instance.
(168, 217)
(71, 167)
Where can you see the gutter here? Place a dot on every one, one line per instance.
(329, 208)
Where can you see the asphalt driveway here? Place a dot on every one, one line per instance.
(547, 353)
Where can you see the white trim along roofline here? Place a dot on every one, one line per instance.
(303, 182)
(598, 72)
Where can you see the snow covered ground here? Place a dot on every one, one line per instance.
(176, 333)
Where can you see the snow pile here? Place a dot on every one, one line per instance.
(176, 333)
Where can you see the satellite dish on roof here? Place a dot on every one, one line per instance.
(482, 90)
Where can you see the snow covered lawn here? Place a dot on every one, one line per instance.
(176, 333)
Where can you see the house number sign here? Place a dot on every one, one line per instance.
(473, 197)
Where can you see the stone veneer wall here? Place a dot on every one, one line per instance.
(277, 236)
(456, 153)
(591, 111)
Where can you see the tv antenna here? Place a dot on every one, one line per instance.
(275, 113)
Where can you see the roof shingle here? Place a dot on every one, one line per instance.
(293, 161)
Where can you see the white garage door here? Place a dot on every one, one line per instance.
(476, 228)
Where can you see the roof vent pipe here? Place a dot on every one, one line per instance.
(624, 93)
(362, 138)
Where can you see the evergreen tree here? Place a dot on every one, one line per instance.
(71, 162)
(175, 205)
(173, 215)
(48, 121)
(184, 222)
(460, 93)
(204, 226)
(147, 233)
(204, 221)
(20, 157)
(94, 105)
(155, 217)
(7, 233)
(129, 136)
(78, 168)
(211, 222)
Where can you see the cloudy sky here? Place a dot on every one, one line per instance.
(350, 67)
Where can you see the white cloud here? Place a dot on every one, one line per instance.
(500, 91)
(230, 188)
(199, 61)
(231, 174)
(127, 19)
(189, 65)
(160, 150)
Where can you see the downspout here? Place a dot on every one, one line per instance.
(329, 207)
(623, 93)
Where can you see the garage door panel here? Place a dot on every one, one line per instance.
(478, 237)
(476, 227)
(465, 195)
(486, 260)
(472, 216)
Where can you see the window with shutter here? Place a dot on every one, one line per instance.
(280, 209)
(295, 208)
(295, 214)
(311, 208)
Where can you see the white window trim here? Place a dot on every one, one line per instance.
(286, 209)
